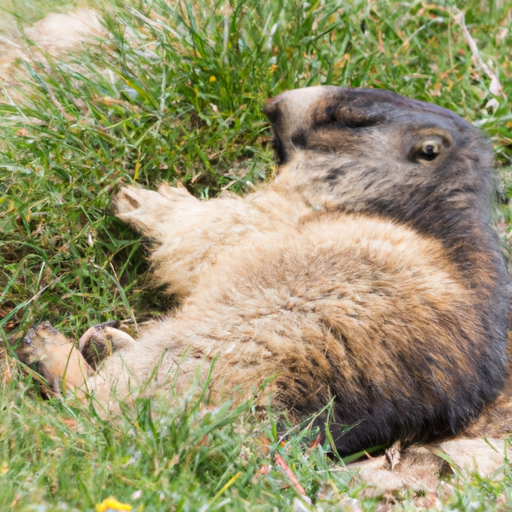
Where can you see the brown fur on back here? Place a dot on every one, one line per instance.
(366, 273)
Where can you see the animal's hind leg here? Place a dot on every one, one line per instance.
(102, 340)
(63, 367)
(55, 358)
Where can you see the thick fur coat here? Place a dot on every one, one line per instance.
(366, 273)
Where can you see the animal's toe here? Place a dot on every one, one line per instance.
(128, 199)
(145, 210)
(166, 190)
(173, 194)
(101, 341)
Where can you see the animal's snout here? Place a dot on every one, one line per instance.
(292, 107)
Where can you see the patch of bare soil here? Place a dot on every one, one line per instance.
(421, 469)
(57, 34)
(425, 470)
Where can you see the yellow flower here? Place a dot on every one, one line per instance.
(111, 504)
(212, 79)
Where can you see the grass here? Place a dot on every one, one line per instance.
(175, 92)
(183, 458)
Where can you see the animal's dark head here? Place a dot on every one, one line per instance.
(372, 150)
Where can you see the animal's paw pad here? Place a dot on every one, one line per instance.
(101, 341)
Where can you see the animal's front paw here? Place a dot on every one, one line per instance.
(54, 357)
(147, 210)
(101, 341)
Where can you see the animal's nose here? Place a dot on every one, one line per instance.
(271, 108)
(290, 112)
(290, 107)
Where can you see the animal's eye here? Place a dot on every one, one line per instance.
(428, 149)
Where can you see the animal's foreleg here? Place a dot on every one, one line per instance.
(154, 214)
(193, 235)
